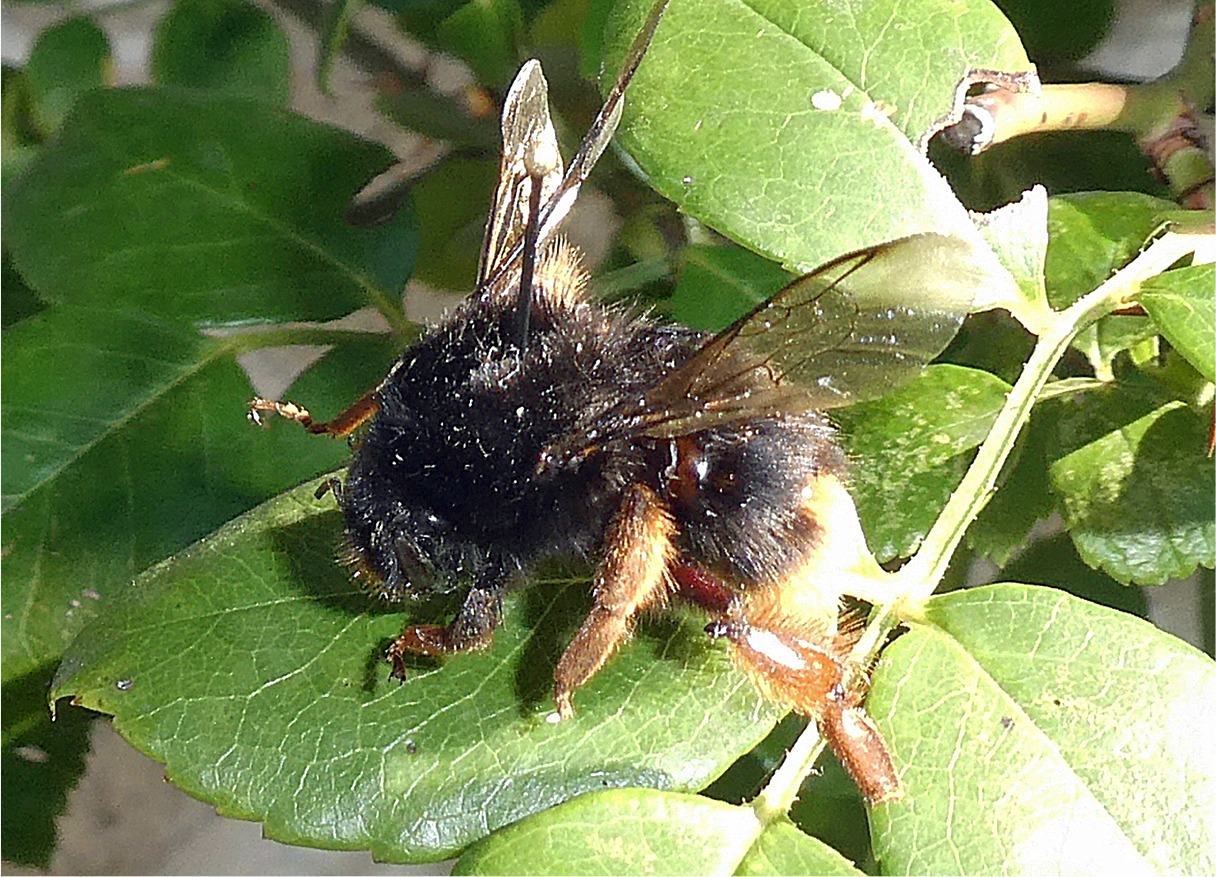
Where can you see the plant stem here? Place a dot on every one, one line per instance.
(921, 576)
(1161, 115)
(780, 792)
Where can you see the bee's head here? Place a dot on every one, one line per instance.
(408, 549)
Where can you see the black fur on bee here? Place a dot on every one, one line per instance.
(443, 490)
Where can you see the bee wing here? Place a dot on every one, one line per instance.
(527, 129)
(526, 104)
(850, 330)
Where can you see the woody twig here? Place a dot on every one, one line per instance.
(1165, 116)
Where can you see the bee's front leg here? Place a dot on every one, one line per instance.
(471, 629)
(363, 409)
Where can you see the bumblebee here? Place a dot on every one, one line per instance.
(535, 421)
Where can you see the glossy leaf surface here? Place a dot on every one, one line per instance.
(1181, 303)
(831, 149)
(910, 450)
(640, 831)
(129, 423)
(1029, 744)
(203, 208)
(67, 61)
(166, 457)
(224, 46)
(1092, 235)
(1018, 234)
(1136, 485)
(1023, 496)
(719, 284)
(253, 667)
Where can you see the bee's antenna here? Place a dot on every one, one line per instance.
(539, 161)
(559, 202)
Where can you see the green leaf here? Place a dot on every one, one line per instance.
(68, 60)
(1030, 743)
(1136, 485)
(1093, 234)
(128, 426)
(642, 831)
(252, 666)
(1017, 233)
(453, 200)
(992, 342)
(1023, 494)
(226, 46)
(783, 849)
(718, 284)
(203, 208)
(41, 761)
(909, 451)
(1110, 336)
(19, 132)
(77, 374)
(422, 17)
(568, 24)
(441, 117)
(792, 129)
(829, 807)
(743, 779)
(128, 441)
(20, 127)
(590, 34)
(486, 34)
(1181, 304)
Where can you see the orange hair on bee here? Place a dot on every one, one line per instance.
(560, 276)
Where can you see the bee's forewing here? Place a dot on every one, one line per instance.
(599, 135)
(863, 324)
(525, 119)
(526, 128)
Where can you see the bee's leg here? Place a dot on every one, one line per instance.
(363, 409)
(804, 666)
(700, 587)
(633, 574)
(860, 746)
(471, 629)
